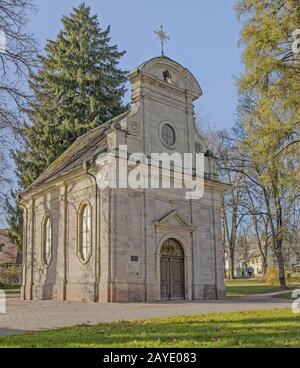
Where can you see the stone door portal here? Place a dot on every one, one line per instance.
(172, 271)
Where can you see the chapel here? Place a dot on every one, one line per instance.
(93, 243)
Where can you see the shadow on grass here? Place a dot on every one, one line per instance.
(247, 290)
(247, 329)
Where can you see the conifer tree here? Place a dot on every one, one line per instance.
(78, 86)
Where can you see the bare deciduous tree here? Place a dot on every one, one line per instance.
(17, 58)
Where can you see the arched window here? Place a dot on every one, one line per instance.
(85, 247)
(171, 248)
(47, 240)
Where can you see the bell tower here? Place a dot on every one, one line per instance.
(162, 111)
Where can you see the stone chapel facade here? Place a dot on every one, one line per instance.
(85, 243)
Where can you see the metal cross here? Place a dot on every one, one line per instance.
(163, 37)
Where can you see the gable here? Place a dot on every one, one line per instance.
(182, 78)
(175, 220)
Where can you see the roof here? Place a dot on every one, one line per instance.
(82, 150)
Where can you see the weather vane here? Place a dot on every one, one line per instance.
(163, 37)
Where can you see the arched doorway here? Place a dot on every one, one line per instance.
(172, 271)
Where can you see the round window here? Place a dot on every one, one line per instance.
(168, 135)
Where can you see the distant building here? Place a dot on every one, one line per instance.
(250, 262)
(9, 254)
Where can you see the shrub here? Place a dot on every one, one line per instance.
(288, 276)
(272, 276)
(10, 275)
(5, 286)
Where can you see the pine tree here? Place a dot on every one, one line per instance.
(15, 216)
(78, 86)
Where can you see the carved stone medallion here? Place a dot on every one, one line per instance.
(133, 128)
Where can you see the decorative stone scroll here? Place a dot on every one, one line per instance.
(133, 128)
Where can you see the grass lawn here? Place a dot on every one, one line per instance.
(277, 328)
(287, 296)
(240, 287)
(12, 291)
(9, 287)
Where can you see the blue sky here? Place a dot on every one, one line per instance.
(204, 38)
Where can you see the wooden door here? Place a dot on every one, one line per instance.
(172, 278)
(177, 278)
(165, 278)
(172, 271)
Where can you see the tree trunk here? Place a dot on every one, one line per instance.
(277, 238)
(280, 261)
(264, 267)
(231, 264)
